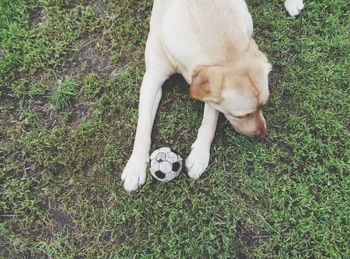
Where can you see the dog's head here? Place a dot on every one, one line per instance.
(239, 90)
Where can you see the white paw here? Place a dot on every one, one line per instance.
(197, 162)
(134, 174)
(294, 7)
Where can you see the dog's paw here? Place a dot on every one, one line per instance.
(134, 174)
(197, 162)
(294, 7)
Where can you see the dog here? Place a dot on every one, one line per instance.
(210, 43)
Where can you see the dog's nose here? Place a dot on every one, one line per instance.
(262, 132)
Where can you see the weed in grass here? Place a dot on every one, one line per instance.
(64, 93)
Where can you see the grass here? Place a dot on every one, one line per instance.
(70, 73)
(63, 94)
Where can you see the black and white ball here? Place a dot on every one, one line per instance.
(165, 164)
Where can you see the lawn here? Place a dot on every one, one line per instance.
(70, 73)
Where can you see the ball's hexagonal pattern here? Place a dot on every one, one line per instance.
(171, 157)
(165, 167)
(161, 156)
(165, 164)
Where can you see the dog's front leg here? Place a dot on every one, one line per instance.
(198, 160)
(134, 174)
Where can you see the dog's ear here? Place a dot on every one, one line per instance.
(207, 84)
(254, 50)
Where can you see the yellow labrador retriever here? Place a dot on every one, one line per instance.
(210, 43)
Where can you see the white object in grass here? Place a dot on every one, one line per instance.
(165, 164)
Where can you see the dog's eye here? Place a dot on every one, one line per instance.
(245, 116)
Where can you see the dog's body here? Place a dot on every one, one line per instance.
(185, 37)
(210, 43)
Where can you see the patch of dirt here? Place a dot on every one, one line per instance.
(99, 7)
(275, 77)
(49, 118)
(62, 221)
(80, 112)
(9, 106)
(46, 114)
(87, 165)
(36, 17)
(4, 242)
(87, 61)
(119, 67)
(250, 237)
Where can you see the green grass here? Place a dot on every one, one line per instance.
(63, 94)
(70, 73)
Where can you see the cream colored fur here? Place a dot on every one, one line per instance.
(210, 43)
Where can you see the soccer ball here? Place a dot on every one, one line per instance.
(165, 164)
